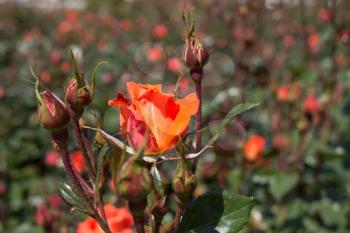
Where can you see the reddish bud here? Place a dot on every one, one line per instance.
(184, 182)
(53, 114)
(135, 181)
(195, 55)
(78, 96)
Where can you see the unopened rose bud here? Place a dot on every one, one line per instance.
(53, 114)
(184, 182)
(78, 95)
(195, 55)
(135, 182)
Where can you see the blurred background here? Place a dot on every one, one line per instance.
(292, 56)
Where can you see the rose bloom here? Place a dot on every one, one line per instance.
(77, 160)
(311, 104)
(254, 147)
(119, 221)
(159, 115)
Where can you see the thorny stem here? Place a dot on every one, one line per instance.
(159, 213)
(78, 184)
(197, 75)
(139, 224)
(178, 216)
(88, 160)
(81, 144)
(177, 220)
(88, 148)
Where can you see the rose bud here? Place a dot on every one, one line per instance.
(184, 182)
(53, 114)
(195, 54)
(78, 94)
(135, 181)
(134, 185)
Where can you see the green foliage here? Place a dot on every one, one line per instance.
(217, 211)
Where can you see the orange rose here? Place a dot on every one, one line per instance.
(160, 114)
(254, 147)
(119, 221)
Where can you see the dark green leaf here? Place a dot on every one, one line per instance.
(281, 183)
(72, 198)
(100, 168)
(238, 109)
(217, 211)
(157, 181)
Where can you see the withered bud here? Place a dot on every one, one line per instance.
(135, 181)
(184, 182)
(195, 54)
(53, 113)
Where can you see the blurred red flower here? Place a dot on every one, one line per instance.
(283, 93)
(51, 158)
(55, 200)
(119, 220)
(311, 104)
(155, 53)
(174, 64)
(160, 31)
(43, 216)
(125, 25)
(45, 76)
(280, 141)
(254, 147)
(77, 160)
(313, 41)
(288, 40)
(160, 114)
(288, 92)
(324, 15)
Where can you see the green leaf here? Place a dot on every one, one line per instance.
(93, 85)
(100, 168)
(217, 211)
(72, 198)
(281, 183)
(238, 109)
(113, 141)
(157, 181)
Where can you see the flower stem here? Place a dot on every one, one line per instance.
(197, 75)
(81, 144)
(139, 224)
(78, 185)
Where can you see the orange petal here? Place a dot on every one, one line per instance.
(136, 90)
(188, 107)
(156, 122)
(118, 101)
